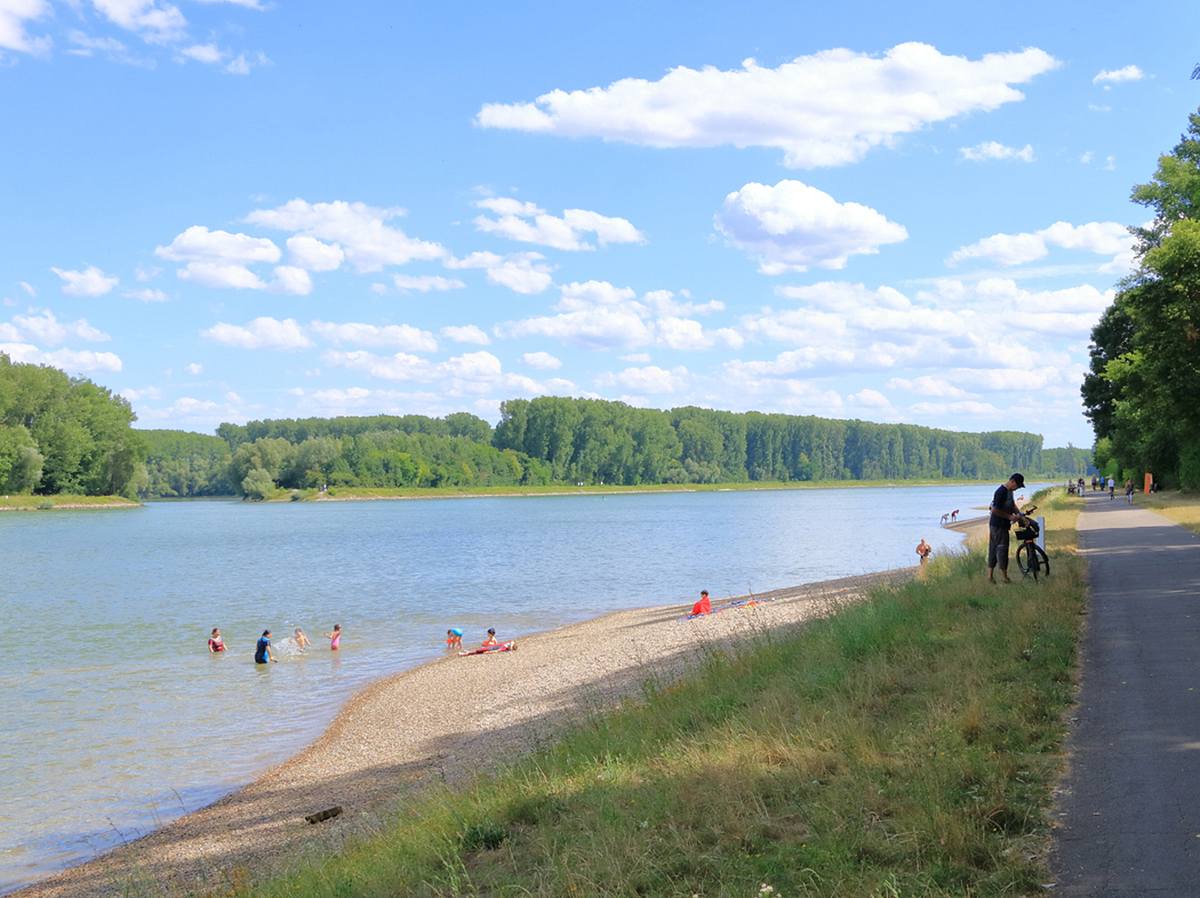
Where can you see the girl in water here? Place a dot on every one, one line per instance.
(302, 641)
(335, 638)
(216, 644)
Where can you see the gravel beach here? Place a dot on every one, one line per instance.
(444, 721)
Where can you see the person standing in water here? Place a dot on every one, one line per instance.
(302, 641)
(216, 644)
(454, 638)
(262, 651)
(335, 638)
(924, 550)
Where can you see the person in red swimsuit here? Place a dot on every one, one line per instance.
(215, 643)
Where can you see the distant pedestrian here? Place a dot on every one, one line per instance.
(335, 638)
(1003, 512)
(1129, 491)
(1112, 488)
(262, 651)
(216, 644)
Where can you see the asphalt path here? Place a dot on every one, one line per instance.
(1129, 808)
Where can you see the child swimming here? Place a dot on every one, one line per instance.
(215, 643)
(454, 638)
(302, 641)
(335, 638)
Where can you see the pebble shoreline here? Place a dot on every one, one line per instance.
(426, 725)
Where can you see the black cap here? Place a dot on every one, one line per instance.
(1018, 479)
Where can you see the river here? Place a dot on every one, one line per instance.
(116, 719)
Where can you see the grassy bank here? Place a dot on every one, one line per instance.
(1182, 508)
(906, 746)
(63, 501)
(361, 493)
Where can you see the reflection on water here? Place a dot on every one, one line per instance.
(115, 718)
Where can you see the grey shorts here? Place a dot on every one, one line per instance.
(998, 546)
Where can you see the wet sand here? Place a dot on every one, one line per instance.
(443, 722)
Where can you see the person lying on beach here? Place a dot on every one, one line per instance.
(704, 606)
(335, 638)
(262, 651)
(454, 638)
(215, 643)
(302, 641)
(491, 638)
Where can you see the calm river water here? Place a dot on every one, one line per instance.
(114, 717)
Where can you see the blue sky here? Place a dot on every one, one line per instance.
(236, 210)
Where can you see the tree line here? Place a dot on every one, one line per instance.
(1144, 379)
(61, 434)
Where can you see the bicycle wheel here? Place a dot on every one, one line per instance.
(1032, 560)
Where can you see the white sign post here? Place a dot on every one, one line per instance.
(1041, 538)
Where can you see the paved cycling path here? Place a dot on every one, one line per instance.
(1130, 823)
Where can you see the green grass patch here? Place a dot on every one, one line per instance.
(904, 747)
(1182, 508)
(64, 501)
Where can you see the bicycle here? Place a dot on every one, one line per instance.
(1031, 558)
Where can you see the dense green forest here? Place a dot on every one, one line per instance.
(1142, 391)
(61, 434)
(592, 441)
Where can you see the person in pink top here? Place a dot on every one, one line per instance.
(335, 638)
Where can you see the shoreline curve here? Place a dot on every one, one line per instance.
(417, 727)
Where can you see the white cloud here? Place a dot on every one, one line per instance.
(28, 288)
(154, 21)
(136, 395)
(1106, 238)
(91, 281)
(261, 333)
(524, 273)
(44, 327)
(217, 274)
(468, 333)
(14, 15)
(146, 294)
(199, 244)
(528, 223)
(791, 227)
(1110, 163)
(209, 54)
(870, 399)
(1117, 76)
(1086, 157)
(194, 368)
(426, 283)
(927, 385)
(991, 150)
(542, 361)
(362, 231)
(289, 279)
(70, 360)
(400, 336)
(829, 108)
(311, 253)
(650, 379)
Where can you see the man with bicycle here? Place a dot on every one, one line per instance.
(1003, 512)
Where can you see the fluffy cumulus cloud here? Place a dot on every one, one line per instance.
(365, 234)
(525, 273)
(15, 16)
(573, 230)
(991, 150)
(90, 281)
(223, 259)
(311, 254)
(426, 283)
(467, 333)
(44, 327)
(153, 20)
(73, 361)
(601, 315)
(1117, 76)
(261, 333)
(648, 380)
(542, 361)
(146, 294)
(830, 108)
(397, 336)
(1103, 238)
(793, 227)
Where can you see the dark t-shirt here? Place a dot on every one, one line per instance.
(1003, 502)
(260, 651)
